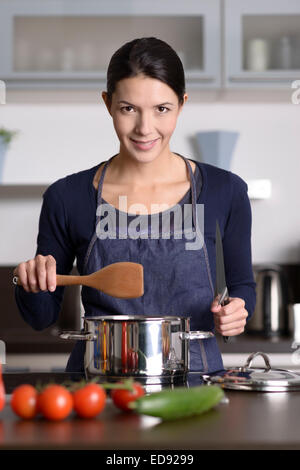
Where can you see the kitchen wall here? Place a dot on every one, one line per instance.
(62, 133)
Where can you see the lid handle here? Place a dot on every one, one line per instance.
(252, 356)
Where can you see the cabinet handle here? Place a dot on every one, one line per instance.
(199, 78)
(261, 78)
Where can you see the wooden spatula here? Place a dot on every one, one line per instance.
(124, 280)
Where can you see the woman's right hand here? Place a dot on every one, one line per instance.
(37, 274)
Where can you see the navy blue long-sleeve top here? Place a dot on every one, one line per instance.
(67, 224)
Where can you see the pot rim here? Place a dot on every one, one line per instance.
(133, 318)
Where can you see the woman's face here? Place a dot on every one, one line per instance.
(144, 112)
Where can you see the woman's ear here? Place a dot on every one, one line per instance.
(106, 101)
(185, 97)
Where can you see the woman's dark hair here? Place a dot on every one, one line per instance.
(151, 57)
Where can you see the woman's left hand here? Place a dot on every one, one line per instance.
(230, 320)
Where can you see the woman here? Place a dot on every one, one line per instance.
(145, 96)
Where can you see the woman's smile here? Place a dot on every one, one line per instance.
(144, 145)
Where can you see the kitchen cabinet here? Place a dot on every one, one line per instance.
(21, 339)
(229, 44)
(68, 43)
(262, 43)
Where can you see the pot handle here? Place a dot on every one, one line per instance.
(252, 356)
(76, 335)
(196, 335)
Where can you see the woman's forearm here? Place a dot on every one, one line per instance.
(41, 309)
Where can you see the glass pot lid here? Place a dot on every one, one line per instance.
(255, 378)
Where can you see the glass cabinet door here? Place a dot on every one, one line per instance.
(262, 40)
(64, 43)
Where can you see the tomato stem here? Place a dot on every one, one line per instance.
(126, 384)
(118, 386)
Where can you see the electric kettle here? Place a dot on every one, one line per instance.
(271, 314)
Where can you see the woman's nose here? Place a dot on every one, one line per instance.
(144, 124)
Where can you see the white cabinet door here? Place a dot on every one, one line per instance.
(68, 43)
(262, 43)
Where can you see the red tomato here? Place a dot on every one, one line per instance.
(89, 400)
(55, 402)
(122, 397)
(24, 401)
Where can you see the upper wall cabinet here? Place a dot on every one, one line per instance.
(68, 43)
(262, 43)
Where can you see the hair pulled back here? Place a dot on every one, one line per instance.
(150, 57)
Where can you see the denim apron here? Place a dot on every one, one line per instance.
(177, 281)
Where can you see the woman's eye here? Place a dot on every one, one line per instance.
(163, 107)
(126, 108)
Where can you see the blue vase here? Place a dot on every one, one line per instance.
(3, 147)
(216, 147)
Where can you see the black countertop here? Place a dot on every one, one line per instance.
(246, 420)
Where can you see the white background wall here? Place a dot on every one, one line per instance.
(61, 137)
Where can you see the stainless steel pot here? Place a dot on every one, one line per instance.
(150, 349)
